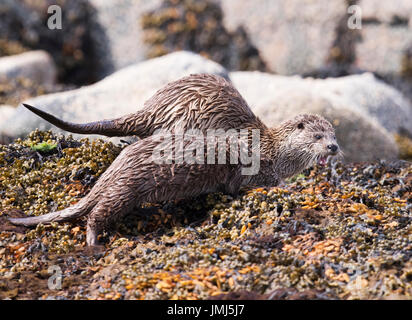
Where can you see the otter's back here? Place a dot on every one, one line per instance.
(201, 101)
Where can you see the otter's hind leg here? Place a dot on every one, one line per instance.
(113, 204)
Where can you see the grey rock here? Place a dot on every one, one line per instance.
(363, 94)
(121, 42)
(292, 36)
(276, 98)
(118, 94)
(383, 47)
(35, 65)
(386, 11)
(371, 97)
(386, 38)
(6, 112)
(16, 21)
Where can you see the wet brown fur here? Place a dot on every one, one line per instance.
(202, 102)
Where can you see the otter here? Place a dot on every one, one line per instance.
(201, 101)
(211, 102)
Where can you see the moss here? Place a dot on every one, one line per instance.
(44, 146)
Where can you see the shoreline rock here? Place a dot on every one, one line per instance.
(276, 98)
(34, 65)
(342, 230)
(123, 92)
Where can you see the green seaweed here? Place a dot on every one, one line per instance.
(44, 147)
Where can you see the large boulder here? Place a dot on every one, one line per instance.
(27, 75)
(363, 93)
(34, 65)
(6, 112)
(117, 32)
(386, 35)
(118, 94)
(287, 37)
(292, 36)
(276, 98)
(387, 11)
(371, 97)
(136, 30)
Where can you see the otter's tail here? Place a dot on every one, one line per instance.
(109, 128)
(67, 214)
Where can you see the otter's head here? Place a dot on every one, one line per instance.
(310, 139)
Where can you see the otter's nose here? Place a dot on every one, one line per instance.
(333, 147)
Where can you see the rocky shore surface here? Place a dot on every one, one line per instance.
(339, 232)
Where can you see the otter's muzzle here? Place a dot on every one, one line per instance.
(333, 148)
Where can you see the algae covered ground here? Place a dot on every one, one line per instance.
(339, 232)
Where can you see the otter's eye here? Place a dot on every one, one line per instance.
(318, 137)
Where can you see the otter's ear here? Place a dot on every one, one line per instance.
(300, 125)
